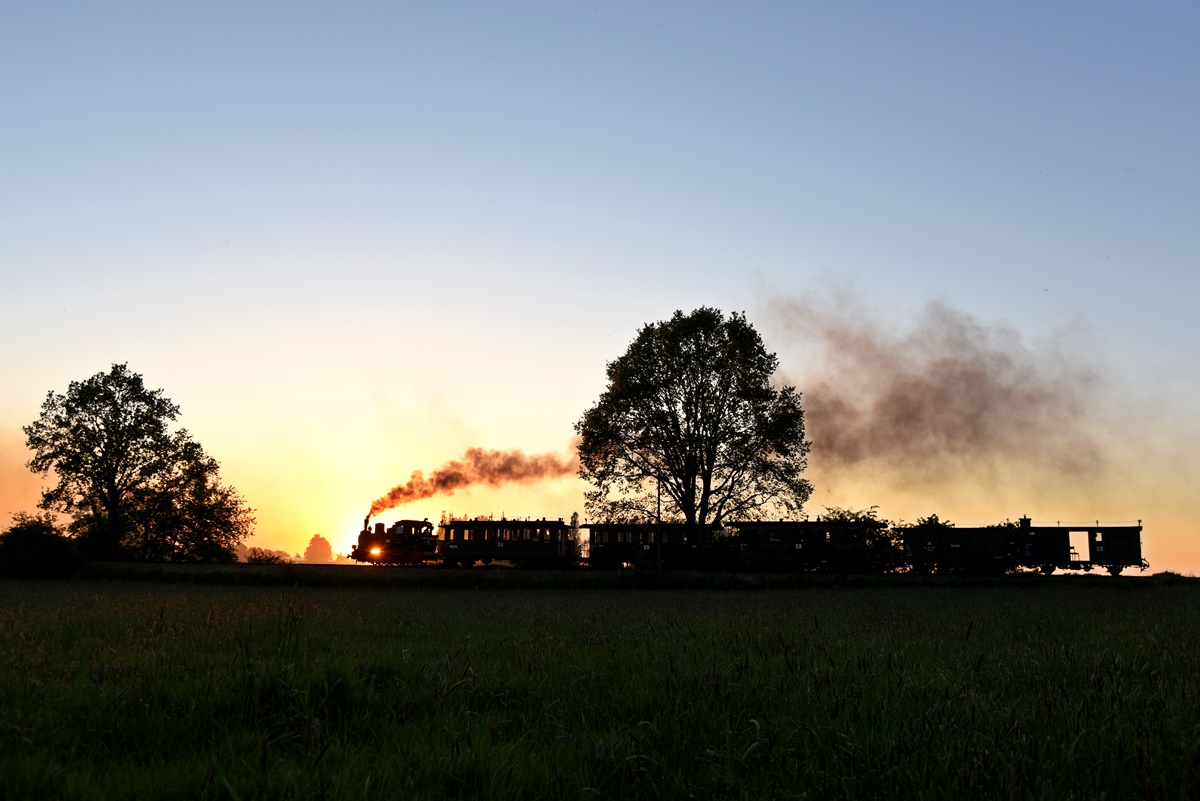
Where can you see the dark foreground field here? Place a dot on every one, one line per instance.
(1055, 688)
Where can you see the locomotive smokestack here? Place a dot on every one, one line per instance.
(366, 524)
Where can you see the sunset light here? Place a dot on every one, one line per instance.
(357, 273)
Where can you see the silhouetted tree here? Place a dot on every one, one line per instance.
(690, 406)
(318, 550)
(133, 487)
(884, 547)
(187, 515)
(932, 521)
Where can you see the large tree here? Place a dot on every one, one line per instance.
(691, 406)
(132, 485)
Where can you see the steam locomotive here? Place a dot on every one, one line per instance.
(864, 546)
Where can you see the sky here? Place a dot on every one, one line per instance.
(353, 240)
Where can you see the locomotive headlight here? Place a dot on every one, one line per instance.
(376, 551)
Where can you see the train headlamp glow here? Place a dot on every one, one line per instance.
(376, 551)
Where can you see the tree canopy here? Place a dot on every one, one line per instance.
(691, 406)
(133, 487)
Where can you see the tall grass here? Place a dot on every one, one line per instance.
(1055, 689)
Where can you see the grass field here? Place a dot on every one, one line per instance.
(1055, 688)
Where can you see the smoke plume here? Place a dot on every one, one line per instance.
(946, 398)
(478, 466)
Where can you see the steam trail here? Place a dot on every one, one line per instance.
(947, 397)
(478, 466)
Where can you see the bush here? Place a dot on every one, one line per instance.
(33, 547)
(261, 556)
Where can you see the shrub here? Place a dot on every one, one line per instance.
(34, 547)
(262, 556)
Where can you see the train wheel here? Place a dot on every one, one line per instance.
(1047, 569)
(1115, 570)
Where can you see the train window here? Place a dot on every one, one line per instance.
(1099, 536)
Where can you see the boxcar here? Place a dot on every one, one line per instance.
(1049, 548)
(1008, 547)
(833, 546)
(944, 549)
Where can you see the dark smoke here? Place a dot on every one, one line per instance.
(945, 397)
(478, 466)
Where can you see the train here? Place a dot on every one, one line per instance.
(860, 545)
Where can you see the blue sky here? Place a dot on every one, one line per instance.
(352, 239)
